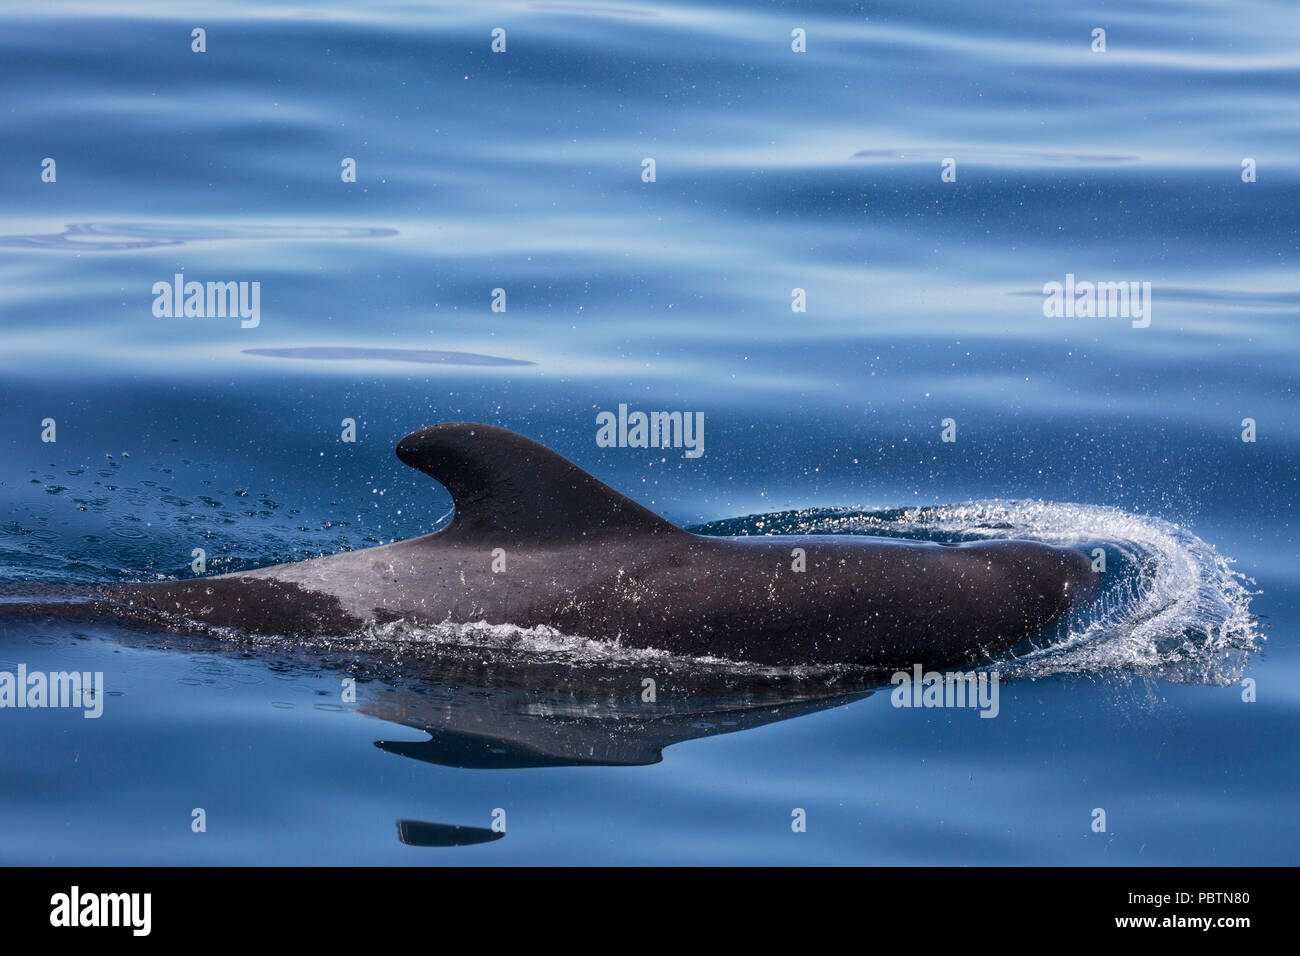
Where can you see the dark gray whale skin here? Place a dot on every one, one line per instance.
(585, 560)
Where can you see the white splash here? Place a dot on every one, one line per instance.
(1171, 606)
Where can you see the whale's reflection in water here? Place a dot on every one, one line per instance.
(484, 709)
(487, 717)
(510, 716)
(419, 833)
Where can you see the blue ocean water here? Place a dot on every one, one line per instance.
(1171, 705)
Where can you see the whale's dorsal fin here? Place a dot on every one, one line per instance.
(506, 485)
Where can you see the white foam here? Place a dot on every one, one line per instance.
(1170, 607)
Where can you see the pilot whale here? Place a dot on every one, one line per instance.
(535, 540)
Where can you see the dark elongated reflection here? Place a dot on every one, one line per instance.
(420, 833)
(530, 715)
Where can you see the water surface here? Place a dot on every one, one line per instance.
(775, 171)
